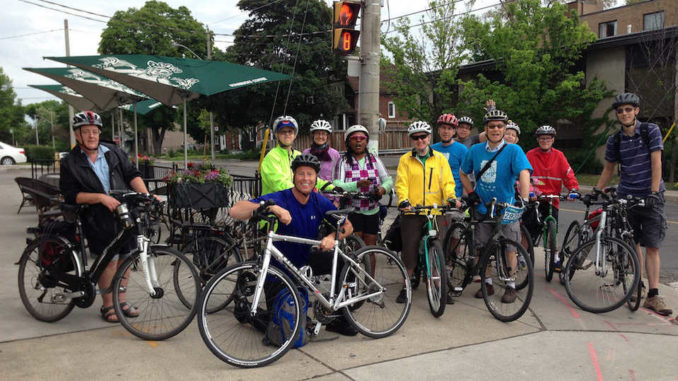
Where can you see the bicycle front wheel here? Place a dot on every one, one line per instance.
(162, 314)
(550, 250)
(458, 249)
(436, 279)
(504, 299)
(604, 285)
(526, 241)
(634, 303)
(233, 334)
(379, 315)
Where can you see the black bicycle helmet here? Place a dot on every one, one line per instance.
(545, 130)
(626, 99)
(306, 160)
(495, 115)
(467, 120)
(86, 118)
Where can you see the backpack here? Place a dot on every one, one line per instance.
(393, 238)
(282, 319)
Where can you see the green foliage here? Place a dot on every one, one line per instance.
(536, 51)
(52, 120)
(423, 68)
(11, 111)
(264, 41)
(172, 153)
(583, 161)
(39, 153)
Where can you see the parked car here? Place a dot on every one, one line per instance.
(11, 155)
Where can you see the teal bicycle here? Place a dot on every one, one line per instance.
(548, 235)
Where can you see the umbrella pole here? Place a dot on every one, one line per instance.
(113, 126)
(185, 144)
(136, 136)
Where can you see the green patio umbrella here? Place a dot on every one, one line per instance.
(143, 107)
(69, 96)
(172, 80)
(103, 92)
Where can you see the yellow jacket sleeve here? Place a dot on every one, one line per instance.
(401, 186)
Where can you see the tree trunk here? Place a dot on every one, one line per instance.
(158, 137)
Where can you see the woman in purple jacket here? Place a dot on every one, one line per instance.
(320, 148)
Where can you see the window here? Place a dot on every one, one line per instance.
(653, 21)
(607, 29)
(391, 110)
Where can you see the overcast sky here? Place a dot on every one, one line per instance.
(29, 32)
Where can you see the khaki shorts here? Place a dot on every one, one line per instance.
(510, 231)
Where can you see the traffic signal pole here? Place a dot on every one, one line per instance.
(368, 99)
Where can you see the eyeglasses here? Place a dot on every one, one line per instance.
(418, 137)
(358, 138)
(494, 126)
(545, 138)
(622, 110)
(286, 132)
(90, 132)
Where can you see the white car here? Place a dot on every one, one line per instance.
(10, 155)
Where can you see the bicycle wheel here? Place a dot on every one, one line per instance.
(39, 288)
(527, 242)
(232, 334)
(505, 301)
(351, 244)
(458, 248)
(601, 289)
(380, 315)
(161, 315)
(573, 238)
(436, 279)
(550, 250)
(634, 303)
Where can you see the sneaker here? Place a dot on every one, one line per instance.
(342, 327)
(490, 291)
(557, 266)
(656, 304)
(449, 299)
(509, 296)
(402, 297)
(476, 278)
(643, 293)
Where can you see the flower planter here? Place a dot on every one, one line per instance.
(198, 196)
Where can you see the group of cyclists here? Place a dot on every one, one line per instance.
(483, 167)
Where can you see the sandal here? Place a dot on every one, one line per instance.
(108, 314)
(130, 312)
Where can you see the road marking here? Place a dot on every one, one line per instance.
(153, 344)
(582, 212)
(569, 307)
(594, 360)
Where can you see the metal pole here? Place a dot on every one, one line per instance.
(35, 119)
(136, 137)
(368, 102)
(51, 122)
(70, 108)
(209, 57)
(113, 126)
(185, 133)
(121, 132)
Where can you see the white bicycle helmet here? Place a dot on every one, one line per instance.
(545, 130)
(418, 126)
(321, 125)
(512, 126)
(467, 120)
(495, 115)
(285, 121)
(356, 128)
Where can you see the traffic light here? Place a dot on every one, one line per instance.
(344, 35)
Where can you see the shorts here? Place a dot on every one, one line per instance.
(510, 231)
(127, 249)
(365, 223)
(649, 224)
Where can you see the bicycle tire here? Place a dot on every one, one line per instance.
(585, 287)
(528, 240)
(238, 282)
(550, 250)
(380, 315)
(572, 240)
(459, 256)
(162, 315)
(436, 279)
(506, 312)
(34, 276)
(351, 244)
(634, 303)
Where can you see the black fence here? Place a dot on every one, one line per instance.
(42, 167)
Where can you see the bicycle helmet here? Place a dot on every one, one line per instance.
(86, 118)
(448, 119)
(512, 126)
(306, 160)
(467, 120)
(418, 126)
(545, 130)
(626, 99)
(321, 125)
(495, 115)
(356, 128)
(285, 121)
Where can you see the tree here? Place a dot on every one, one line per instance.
(536, 52)
(154, 29)
(48, 113)
(291, 37)
(423, 68)
(11, 111)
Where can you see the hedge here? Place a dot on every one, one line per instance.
(39, 153)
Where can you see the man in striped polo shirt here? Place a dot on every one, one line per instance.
(638, 150)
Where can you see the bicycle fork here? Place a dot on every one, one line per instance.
(601, 269)
(147, 265)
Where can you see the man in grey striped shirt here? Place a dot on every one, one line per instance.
(638, 149)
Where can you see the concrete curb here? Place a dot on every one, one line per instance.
(669, 195)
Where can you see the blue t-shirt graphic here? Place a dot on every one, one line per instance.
(306, 220)
(500, 177)
(454, 154)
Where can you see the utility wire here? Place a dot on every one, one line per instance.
(59, 10)
(253, 10)
(294, 66)
(75, 9)
(30, 34)
(456, 14)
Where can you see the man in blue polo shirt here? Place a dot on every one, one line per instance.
(454, 152)
(638, 149)
(497, 181)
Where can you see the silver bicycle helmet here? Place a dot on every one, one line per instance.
(545, 130)
(626, 99)
(418, 126)
(467, 120)
(86, 118)
(321, 125)
(306, 160)
(512, 126)
(495, 115)
(285, 121)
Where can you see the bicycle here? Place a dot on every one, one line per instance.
(54, 276)
(365, 296)
(430, 257)
(603, 272)
(463, 260)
